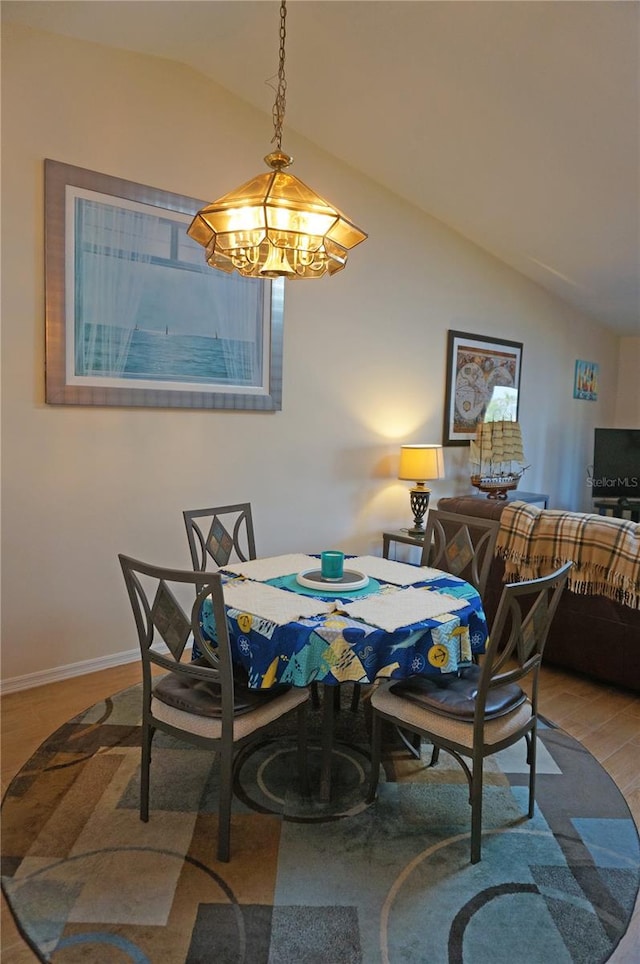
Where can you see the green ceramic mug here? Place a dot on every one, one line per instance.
(332, 565)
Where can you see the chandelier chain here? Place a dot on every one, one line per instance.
(281, 94)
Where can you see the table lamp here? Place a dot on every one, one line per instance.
(418, 463)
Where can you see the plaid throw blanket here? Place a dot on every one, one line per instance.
(605, 552)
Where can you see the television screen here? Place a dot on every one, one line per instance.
(616, 463)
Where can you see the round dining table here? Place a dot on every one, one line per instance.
(288, 626)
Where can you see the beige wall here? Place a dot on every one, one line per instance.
(627, 411)
(364, 362)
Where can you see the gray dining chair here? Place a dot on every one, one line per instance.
(462, 545)
(199, 701)
(220, 534)
(483, 709)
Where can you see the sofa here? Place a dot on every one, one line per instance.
(591, 633)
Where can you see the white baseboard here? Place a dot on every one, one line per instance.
(67, 672)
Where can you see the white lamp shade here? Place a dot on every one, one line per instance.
(421, 462)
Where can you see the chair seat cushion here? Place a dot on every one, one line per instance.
(203, 697)
(454, 694)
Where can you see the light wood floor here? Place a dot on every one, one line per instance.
(606, 720)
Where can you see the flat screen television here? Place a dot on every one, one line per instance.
(616, 463)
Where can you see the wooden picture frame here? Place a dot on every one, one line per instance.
(483, 377)
(135, 316)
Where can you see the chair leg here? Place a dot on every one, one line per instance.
(355, 697)
(224, 803)
(476, 809)
(376, 728)
(531, 758)
(145, 766)
(315, 696)
(303, 770)
(435, 756)
(412, 741)
(328, 711)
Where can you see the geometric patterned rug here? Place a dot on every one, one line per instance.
(309, 883)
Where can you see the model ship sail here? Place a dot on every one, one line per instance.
(497, 458)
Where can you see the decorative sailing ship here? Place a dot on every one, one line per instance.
(496, 458)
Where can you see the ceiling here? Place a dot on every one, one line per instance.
(516, 123)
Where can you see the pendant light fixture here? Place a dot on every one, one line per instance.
(274, 225)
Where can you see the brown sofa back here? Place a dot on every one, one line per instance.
(589, 634)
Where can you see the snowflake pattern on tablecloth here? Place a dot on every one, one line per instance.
(417, 663)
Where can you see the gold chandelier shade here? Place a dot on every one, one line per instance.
(273, 226)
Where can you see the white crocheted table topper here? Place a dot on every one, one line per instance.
(394, 610)
(398, 573)
(273, 604)
(273, 566)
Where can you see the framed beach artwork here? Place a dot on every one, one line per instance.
(482, 384)
(135, 316)
(585, 381)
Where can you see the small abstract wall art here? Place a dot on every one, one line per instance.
(585, 382)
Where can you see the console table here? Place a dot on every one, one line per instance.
(617, 509)
(517, 496)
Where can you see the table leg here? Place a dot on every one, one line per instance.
(328, 705)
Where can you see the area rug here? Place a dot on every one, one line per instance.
(342, 883)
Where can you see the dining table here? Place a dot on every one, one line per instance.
(382, 620)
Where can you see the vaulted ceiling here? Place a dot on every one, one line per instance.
(515, 123)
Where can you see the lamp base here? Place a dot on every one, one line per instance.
(416, 532)
(419, 504)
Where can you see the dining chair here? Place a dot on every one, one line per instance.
(483, 708)
(462, 545)
(199, 701)
(220, 533)
(210, 539)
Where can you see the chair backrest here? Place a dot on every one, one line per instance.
(166, 615)
(220, 533)
(462, 545)
(519, 633)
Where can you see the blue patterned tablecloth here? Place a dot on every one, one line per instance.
(335, 648)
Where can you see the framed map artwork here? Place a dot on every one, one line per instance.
(483, 384)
